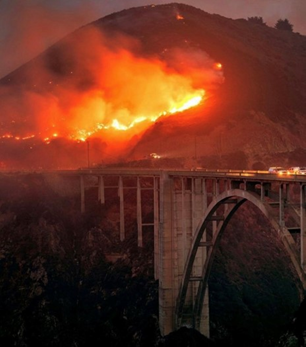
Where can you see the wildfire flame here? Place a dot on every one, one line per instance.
(10, 136)
(127, 94)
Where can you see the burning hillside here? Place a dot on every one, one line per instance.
(104, 87)
(98, 93)
(110, 87)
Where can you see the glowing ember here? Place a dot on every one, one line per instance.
(218, 66)
(9, 136)
(179, 17)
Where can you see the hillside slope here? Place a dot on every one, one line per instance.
(258, 111)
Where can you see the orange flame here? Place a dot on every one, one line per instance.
(10, 136)
(128, 92)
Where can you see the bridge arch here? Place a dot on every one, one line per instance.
(183, 199)
(206, 238)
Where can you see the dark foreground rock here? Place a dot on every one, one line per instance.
(184, 337)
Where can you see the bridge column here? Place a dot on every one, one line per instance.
(82, 187)
(183, 229)
(262, 192)
(204, 195)
(166, 246)
(281, 196)
(156, 226)
(303, 225)
(101, 193)
(198, 207)
(264, 189)
(139, 214)
(216, 189)
(120, 193)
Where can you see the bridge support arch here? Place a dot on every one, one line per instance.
(191, 210)
(183, 292)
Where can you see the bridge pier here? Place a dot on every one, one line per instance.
(101, 193)
(166, 251)
(198, 207)
(82, 188)
(181, 210)
(121, 212)
(156, 226)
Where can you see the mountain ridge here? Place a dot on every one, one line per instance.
(263, 93)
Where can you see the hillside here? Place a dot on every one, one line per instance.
(253, 115)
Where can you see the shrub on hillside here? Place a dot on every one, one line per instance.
(284, 24)
(256, 20)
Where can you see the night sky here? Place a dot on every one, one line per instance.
(28, 27)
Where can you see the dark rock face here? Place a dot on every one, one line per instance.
(186, 337)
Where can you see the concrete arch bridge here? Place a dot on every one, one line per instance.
(191, 211)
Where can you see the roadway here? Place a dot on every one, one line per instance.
(250, 175)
